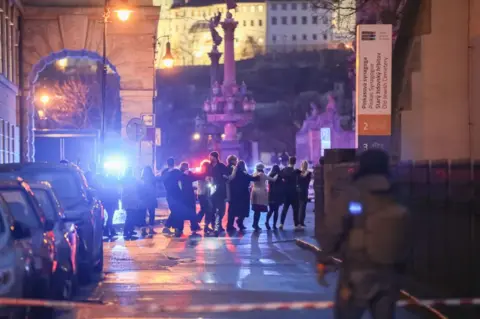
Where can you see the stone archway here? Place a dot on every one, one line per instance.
(51, 33)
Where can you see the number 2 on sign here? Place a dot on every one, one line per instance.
(365, 126)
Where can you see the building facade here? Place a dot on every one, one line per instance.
(10, 22)
(263, 27)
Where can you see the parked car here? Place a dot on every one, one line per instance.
(66, 241)
(80, 204)
(27, 248)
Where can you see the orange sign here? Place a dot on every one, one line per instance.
(374, 125)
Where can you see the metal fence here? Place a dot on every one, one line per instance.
(444, 198)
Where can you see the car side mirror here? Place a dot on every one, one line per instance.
(20, 232)
(49, 225)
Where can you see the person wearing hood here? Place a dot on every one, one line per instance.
(369, 230)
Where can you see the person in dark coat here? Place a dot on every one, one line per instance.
(216, 175)
(275, 197)
(171, 180)
(130, 202)
(303, 183)
(189, 199)
(240, 201)
(148, 198)
(289, 175)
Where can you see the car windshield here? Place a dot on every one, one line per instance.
(45, 203)
(20, 208)
(65, 184)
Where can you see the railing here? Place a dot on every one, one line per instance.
(444, 199)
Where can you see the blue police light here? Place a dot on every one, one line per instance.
(355, 208)
(115, 165)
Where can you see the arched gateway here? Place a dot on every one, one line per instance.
(65, 30)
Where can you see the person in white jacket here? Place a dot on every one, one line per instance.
(259, 194)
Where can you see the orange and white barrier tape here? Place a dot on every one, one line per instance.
(221, 308)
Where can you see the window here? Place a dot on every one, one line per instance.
(244, 23)
(284, 6)
(284, 20)
(294, 6)
(304, 6)
(325, 20)
(304, 20)
(252, 9)
(65, 184)
(260, 23)
(21, 208)
(252, 23)
(274, 20)
(304, 37)
(325, 36)
(260, 8)
(294, 20)
(46, 204)
(294, 37)
(314, 20)
(274, 38)
(274, 6)
(314, 36)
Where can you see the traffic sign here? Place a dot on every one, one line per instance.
(136, 129)
(158, 137)
(148, 119)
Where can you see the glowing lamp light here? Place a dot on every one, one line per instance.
(62, 63)
(196, 136)
(198, 54)
(123, 14)
(168, 60)
(223, 136)
(355, 208)
(198, 169)
(41, 114)
(44, 99)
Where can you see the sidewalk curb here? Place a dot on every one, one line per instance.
(315, 249)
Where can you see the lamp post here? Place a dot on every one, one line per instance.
(168, 62)
(123, 13)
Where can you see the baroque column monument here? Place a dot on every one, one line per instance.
(230, 105)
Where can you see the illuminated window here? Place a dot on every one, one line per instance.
(252, 9)
(260, 8)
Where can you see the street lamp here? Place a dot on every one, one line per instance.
(123, 13)
(45, 99)
(196, 136)
(168, 60)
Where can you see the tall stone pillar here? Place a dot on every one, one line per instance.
(214, 58)
(229, 73)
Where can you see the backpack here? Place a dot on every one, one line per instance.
(380, 229)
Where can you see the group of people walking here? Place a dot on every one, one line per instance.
(219, 184)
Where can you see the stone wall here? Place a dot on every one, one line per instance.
(57, 30)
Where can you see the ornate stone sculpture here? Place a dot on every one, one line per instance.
(213, 24)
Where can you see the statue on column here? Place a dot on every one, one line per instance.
(213, 24)
(231, 5)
